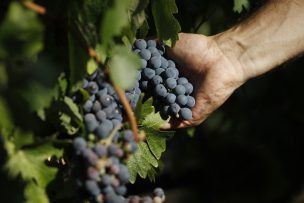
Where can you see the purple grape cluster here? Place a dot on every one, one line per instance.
(162, 80)
(103, 159)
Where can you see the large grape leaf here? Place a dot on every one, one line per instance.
(145, 161)
(123, 66)
(115, 19)
(29, 164)
(167, 26)
(240, 5)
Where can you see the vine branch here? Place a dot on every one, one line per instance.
(34, 7)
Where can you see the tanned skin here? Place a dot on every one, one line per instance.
(217, 65)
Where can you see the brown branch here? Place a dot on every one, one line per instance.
(129, 111)
(123, 99)
(35, 7)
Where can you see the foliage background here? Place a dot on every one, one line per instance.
(249, 150)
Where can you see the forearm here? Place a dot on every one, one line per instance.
(270, 37)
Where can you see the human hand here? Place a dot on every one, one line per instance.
(214, 73)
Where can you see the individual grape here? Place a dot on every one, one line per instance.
(102, 92)
(109, 111)
(112, 149)
(148, 73)
(123, 174)
(137, 51)
(144, 85)
(121, 190)
(92, 87)
(159, 192)
(145, 54)
(134, 147)
(79, 145)
(146, 200)
(189, 88)
(91, 122)
(115, 122)
(176, 73)
(101, 115)
(92, 173)
(171, 64)
(115, 183)
(170, 73)
(182, 81)
(92, 187)
(96, 106)
(158, 71)
(113, 198)
(106, 100)
(182, 100)
(134, 199)
(174, 108)
(155, 62)
(153, 51)
(110, 90)
(108, 190)
(90, 156)
(170, 98)
(119, 153)
(106, 180)
(87, 106)
(186, 113)
(179, 90)
(100, 150)
(128, 135)
(104, 129)
(164, 63)
(156, 80)
(164, 112)
(140, 44)
(171, 83)
(92, 97)
(160, 90)
(114, 169)
(143, 63)
(151, 43)
(190, 101)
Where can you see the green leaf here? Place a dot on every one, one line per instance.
(143, 110)
(70, 116)
(123, 67)
(136, 13)
(35, 194)
(91, 66)
(30, 164)
(115, 19)
(145, 161)
(21, 33)
(240, 5)
(167, 26)
(156, 141)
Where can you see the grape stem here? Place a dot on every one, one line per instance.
(34, 7)
(109, 140)
(123, 99)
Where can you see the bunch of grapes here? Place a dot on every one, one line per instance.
(104, 174)
(161, 79)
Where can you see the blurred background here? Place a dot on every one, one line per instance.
(251, 149)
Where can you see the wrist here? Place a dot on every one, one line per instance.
(232, 49)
